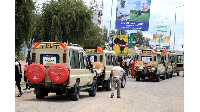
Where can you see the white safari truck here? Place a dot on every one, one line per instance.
(149, 64)
(108, 60)
(177, 61)
(59, 68)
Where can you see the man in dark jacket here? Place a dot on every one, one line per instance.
(18, 76)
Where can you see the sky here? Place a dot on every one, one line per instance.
(162, 12)
(159, 11)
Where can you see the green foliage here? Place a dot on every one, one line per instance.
(94, 39)
(58, 21)
(66, 20)
(105, 33)
(37, 34)
(21, 57)
(138, 37)
(24, 22)
(123, 31)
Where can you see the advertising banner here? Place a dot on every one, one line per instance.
(133, 14)
(120, 44)
(161, 35)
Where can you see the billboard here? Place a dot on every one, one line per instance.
(161, 35)
(120, 44)
(133, 14)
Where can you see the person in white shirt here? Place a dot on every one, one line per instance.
(123, 12)
(117, 73)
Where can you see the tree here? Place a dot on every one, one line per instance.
(123, 31)
(105, 33)
(66, 20)
(24, 22)
(37, 32)
(94, 39)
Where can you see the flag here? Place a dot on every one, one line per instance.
(164, 51)
(153, 51)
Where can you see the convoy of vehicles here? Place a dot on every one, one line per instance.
(67, 69)
(157, 64)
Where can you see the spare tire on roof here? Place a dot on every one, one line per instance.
(36, 72)
(58, 73)
(98, 67)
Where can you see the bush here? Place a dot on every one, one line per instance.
(21, 57)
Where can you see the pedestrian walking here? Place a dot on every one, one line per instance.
(117, 74)
(125, 67)
(18, 76)
(25, 78)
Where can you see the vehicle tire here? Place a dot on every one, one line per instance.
(94, 89)
(164, 76)
(171, 75)
(40, 96)
(58, 93)
(143, 77)
(178, 74)
(137, 78)
(76, 89)
(123, 82)
(157, 77)
(167, 75)
(36, 72)
(109, 82)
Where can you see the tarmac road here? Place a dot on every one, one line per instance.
(141, 96)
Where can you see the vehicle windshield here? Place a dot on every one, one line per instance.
(146, 59)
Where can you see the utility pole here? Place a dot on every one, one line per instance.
(175, 25)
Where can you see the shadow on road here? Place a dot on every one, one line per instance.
(57, 98)
(147, 80)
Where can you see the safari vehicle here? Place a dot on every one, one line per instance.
(59, 68)
(177, 61)
(167, 62)
(149, 65)
(172, 62)
(108, 59)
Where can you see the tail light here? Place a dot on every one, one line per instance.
(101, 58)
(64, 57)
(33, 57)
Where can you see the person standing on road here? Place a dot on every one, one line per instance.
(117, 74)
(132, 70)
(18, 76)
(25, 78)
